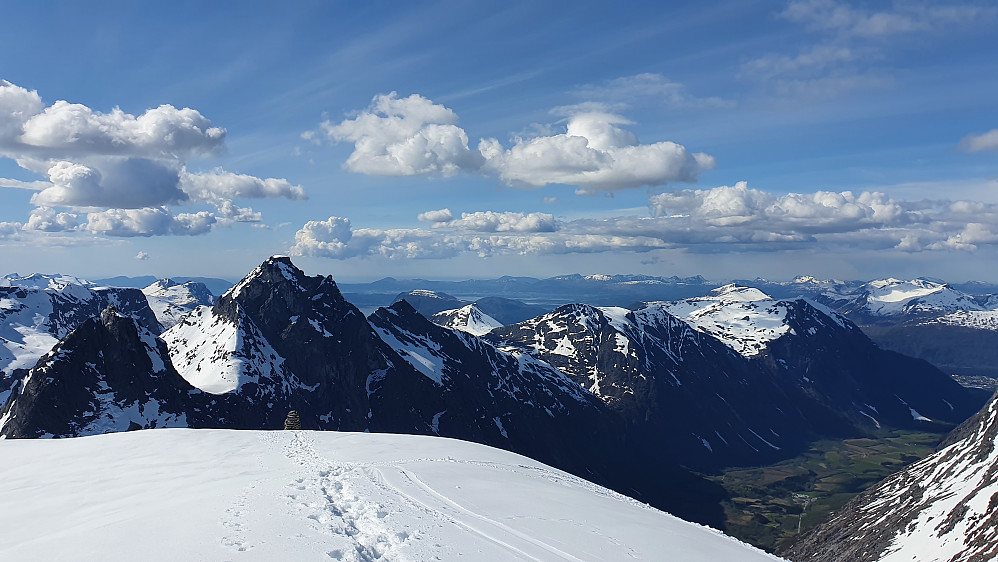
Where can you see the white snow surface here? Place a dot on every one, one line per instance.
(176, 494)
(979, 319)
(218, 356)
(894, 297)
(468, 319)
(956, 485)
(744, 318)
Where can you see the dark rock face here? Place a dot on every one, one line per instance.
(941, 508)
(838, 366)
(665, 378)
(823, 378)
(305, 348)
(110, 374)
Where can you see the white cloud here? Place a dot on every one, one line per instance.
(28, 185)
(155, 221)
(229, 211)
(128, 183)
(719, 220)
(221, 185)
(17, 105)
(328, 238)
(413, 136)
(68, 129)
(596, 154)
(489, 221)
(442, 215)
(405, 137)
(124, 170)
(984, 141)
(142, 256)
(9, 229)
(50, 220)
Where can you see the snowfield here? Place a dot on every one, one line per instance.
(177, 494)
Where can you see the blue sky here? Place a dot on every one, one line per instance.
(455, 140)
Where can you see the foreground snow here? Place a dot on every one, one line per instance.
(180, 494)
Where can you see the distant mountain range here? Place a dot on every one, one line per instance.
(626, 397)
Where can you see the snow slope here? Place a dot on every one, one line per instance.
(744, 318)
(468, 318)
(252, 495)
(171, 301)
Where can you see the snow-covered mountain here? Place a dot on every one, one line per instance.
(740, 379)
(171, 300)
(953, 330)
(177, 494)
(744, 318)
(468, 318)
(36, 311)
(280, 340)
(665, 377)
(109, 374)
(940, 509)
(892, 300)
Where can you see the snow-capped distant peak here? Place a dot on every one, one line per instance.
(737, 293)
(599, 277)
(893, 297)
(425, 293)
(43, 281)
(468, 319)
(171, 301)
(744, 318)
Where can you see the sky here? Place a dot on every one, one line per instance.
(455, 140)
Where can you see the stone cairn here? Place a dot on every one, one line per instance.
(292, 421)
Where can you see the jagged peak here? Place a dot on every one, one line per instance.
(272, 269)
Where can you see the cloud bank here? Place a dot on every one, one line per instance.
(718, 220)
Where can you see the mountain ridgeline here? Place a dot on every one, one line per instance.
(632, 399)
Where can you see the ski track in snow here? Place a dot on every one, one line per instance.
(338, 499)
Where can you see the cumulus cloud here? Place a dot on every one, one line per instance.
(221, 185)
(595, 154)
(984, 141)
(229, 211)
(414, 136)
(489, 221)
(142, 256)
(128, 183)
(70, 129)
(154, 221)
(722, 219)
(49, 220)
(9, 229)
(405, 137)
(124, 170)
(442, 215)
